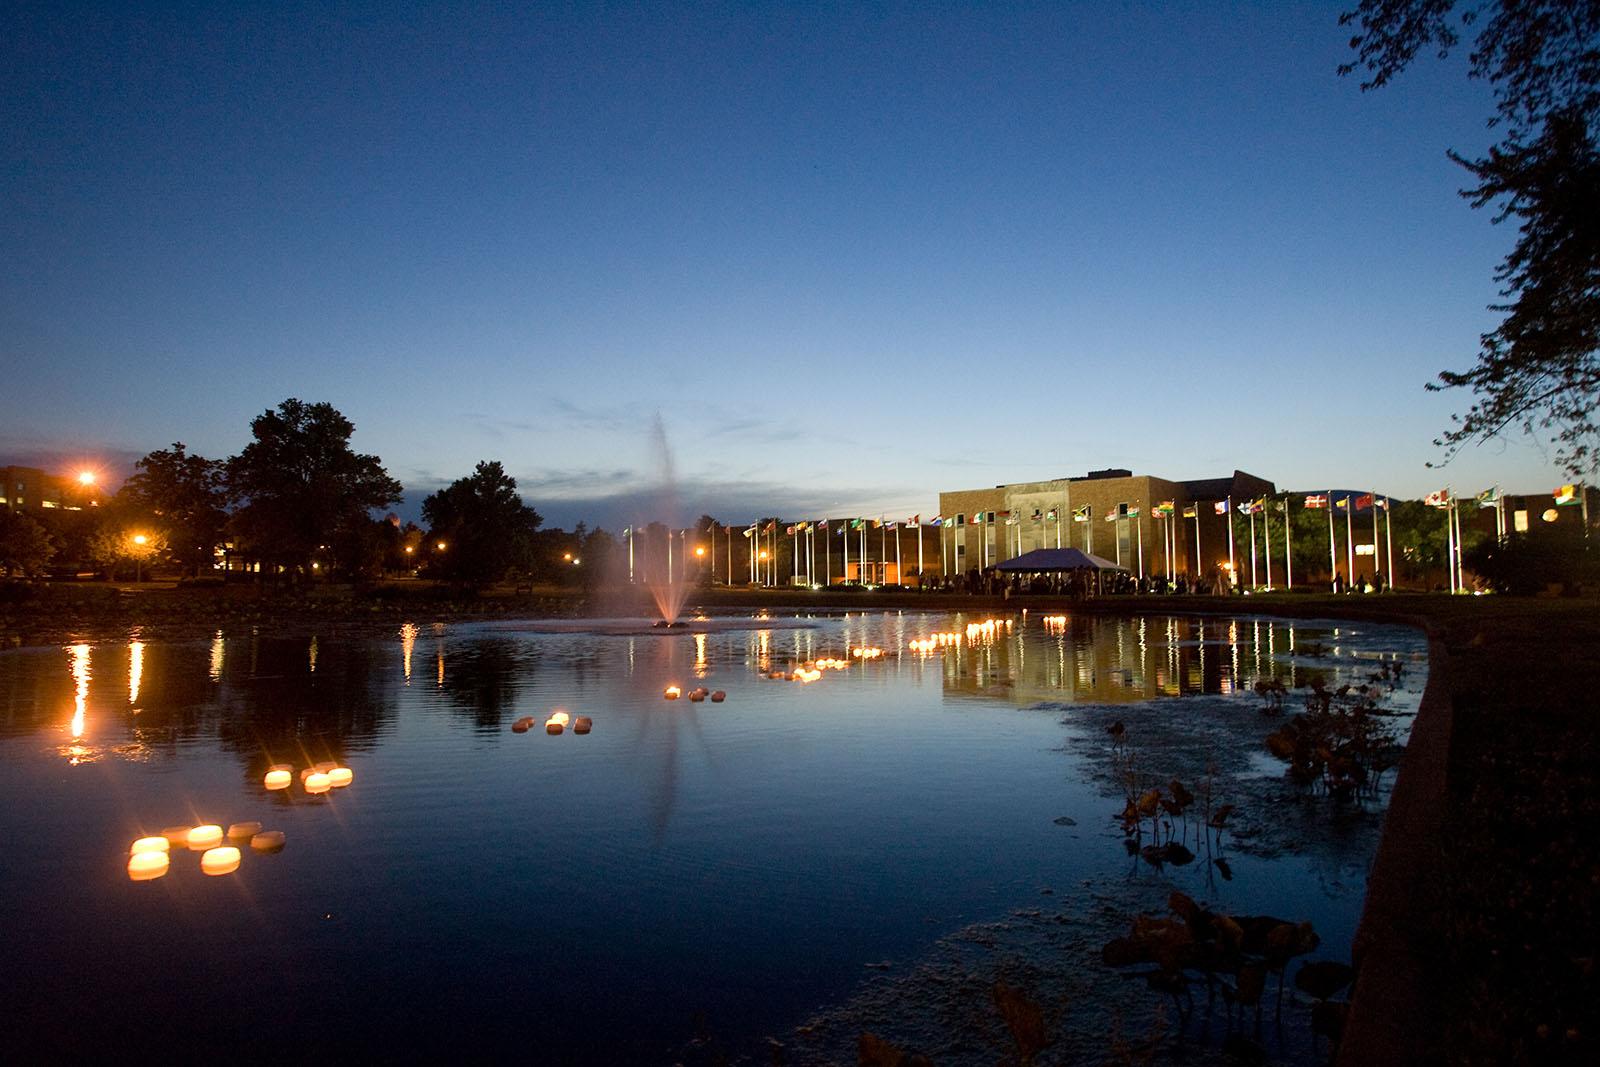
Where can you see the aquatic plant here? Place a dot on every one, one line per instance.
(1272, 692)
(1342, 743)
(1234, 956)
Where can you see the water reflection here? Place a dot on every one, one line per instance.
(135, 670)
(1118, 660)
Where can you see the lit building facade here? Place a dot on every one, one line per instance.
(1113, 513)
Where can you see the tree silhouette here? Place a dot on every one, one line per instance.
(184, 496)
(1539, 369)
(484, 523)
(301, 486)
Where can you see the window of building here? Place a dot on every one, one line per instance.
(1519, 521)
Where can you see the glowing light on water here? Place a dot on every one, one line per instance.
(80, 690)
(216, 657)
(278, 779)
(150, 844)
(699, 655)
(313, 655)
(316, 782)
(177, 836)
(135, 669)
(408, 641)
(224, 860)
(144, 866)
(672, 692)
(205, 836)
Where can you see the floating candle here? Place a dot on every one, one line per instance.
(582, 724)
(224, 860)
(325, 766)
(718, 697)
(317, 782)
(278, 779)
(340, 777)
(143, 866)
(177, 836)
(561, 717)
(150, 844)
(672, 692)
(268, 841)
(522, 725)
(243, 831)
(203, 837)
(554, 727)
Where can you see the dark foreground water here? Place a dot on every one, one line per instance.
(684, 881)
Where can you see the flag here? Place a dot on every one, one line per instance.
(1050, 516)
(1080, 514)
(915, 520)
(1220, 507)
(1113, 516)
(789, 532)
(1343, 503)
(822, 524)
(1383, 502)
(1250, 507)
(627, 531)
(1489, 498)
(1567, 494)
(856, 524)
(891, 525)
(1440, 499)
(1037, 514)
(1011, 520)
(1163, 510)
(1363, 501)
(1316, 500)
(1192, 511)
(937, 520)
(1133, 513)
(750, 532)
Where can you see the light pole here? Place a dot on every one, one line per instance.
(139, 542)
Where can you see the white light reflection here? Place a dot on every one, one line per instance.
(700, 655)
(408, 641)
(313, 655)
(135, 669)
(216, 657)
(80, 690)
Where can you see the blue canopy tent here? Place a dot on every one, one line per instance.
(1044, 560)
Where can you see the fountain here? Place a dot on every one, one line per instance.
(669, 591)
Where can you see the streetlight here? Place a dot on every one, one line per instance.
(139, 541)
(86, 478)
(441, 546)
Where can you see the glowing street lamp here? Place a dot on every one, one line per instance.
(441, 546)
(87, 478)
(140, 541)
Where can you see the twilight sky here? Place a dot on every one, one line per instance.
(851, 254)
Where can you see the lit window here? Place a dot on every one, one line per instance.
(1519, 521)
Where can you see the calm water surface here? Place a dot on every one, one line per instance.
(727, 867)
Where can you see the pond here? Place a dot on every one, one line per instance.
(688, 881)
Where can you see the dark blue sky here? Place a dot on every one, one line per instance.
(852, 255)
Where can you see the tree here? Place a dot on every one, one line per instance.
(1540, 368)
(486, 527)
(117, 542)
(184, 496)
(25, 547)
(301, 486)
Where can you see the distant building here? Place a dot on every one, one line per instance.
(31, 489)
(1111, 513)
(1528, 513)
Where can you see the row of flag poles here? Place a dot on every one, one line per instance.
(812, 555)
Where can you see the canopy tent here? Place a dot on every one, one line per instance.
(1042, 560)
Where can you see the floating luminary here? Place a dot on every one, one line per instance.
(224, 860)
(340, 777)
(672, 692)
(203, 837)
(278, 779)
(718, 696)
(150, 844)
(317, 782)
(582, 724)
(325, 766)
(522, 725)
(268, 841)
(177, 836)
(561, 717)
(243, 831)
(143, 866)
(551, 726)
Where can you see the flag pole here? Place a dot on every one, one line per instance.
(1252, 544)
(1333, 548)
(1388, 534)
(1198, 566)
(919, 551)
(1288, 548)
(1349, 536)
(1266, 530)
(1373, 504)
(1233, 564)
(899, 574)
(1450, 540)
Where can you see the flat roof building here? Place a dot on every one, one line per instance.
(1112, 513)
